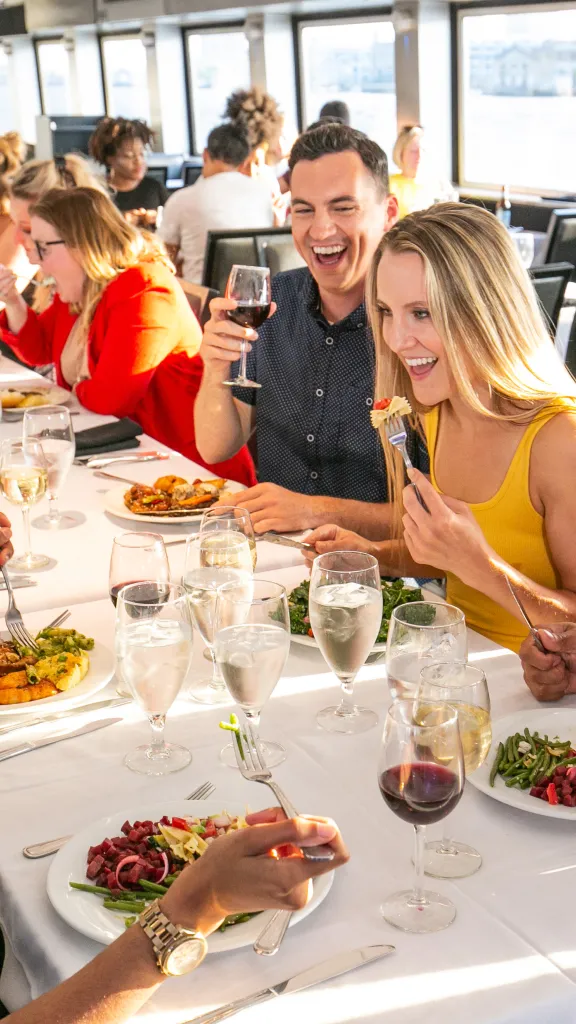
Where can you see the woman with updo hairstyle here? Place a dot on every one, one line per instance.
(258, 114)
(120, 146)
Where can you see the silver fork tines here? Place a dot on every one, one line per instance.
(395, 431)
(203, 791)
(13, 619)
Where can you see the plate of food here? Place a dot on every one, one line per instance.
(170, 499)
(394, 593)
(69, 668)
(15, 401)
(129, 854)
(531, 764)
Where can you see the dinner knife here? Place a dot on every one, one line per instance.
(25, 748)
(533, 631)
(18, 584)
(115, 702)
(289, 542)
(325, 971)
(100, 461)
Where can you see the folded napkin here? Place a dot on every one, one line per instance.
(110, 437)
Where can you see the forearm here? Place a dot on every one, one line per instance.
(395, 560)
(16, 314)
(543, 604)
(371, 520)
(218, 427)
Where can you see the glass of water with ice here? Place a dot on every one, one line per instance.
(345, 616)
(52, 427)
(421, 633)
(251, 643)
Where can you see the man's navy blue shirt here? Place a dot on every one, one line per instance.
(313, 430)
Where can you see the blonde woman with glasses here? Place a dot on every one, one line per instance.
(459, 332)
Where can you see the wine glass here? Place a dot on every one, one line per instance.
(420, 633)
(23, 479)
(465, 689)
(421, 778)
(251, 643)
(201, 584)
(227, 538)
(52, 427)
(345, 610)
(250, 287)
(154, 648)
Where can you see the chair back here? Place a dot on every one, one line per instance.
(246, 247)
(279, 253)
(550, 282)
(192, 171)
(159, 173)
(199, 299)
(560, 245)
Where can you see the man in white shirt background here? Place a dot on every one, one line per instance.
(222, 199)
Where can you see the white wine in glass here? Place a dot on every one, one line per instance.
(23, 480)
(51, 426)
(227, 538)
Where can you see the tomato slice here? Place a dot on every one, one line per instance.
(180, 823)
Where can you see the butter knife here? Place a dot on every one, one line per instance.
(289, 542)
(325, 971)
(533, 631)
(100, 461)
(24, 723)
(25, 748)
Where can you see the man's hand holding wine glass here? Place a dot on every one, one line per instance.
(222, 342)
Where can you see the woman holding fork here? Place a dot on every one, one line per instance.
(459, 332)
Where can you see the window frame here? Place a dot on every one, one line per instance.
(40, 41)
(197, 30)
(102, 37)
(458, 13)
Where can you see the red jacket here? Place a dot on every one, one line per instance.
(142, 355)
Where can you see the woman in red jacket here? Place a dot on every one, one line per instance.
(120, 329)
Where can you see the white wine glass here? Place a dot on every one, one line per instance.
(465, 689)
(226, 538)
(250, 288)
(345, 611)
(154, 649)
(420, 633)
(52, 427)
(23, 479)
(251, 642)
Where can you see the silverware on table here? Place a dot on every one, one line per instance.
(13, 618)
(289, 542)
(100, 461)
(395, 431)
(250, 761)
(25, 748)
(59, 620)
(27, 723)
(325, 971)
(270, 939)
(19, 582)
(114, 476)
(533, 630)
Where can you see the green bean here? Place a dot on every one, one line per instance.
(153, 887)
(545, 763)
(170, 879)
(496, 764)
(100, 890)
(515, 741)
(510, 750)
(128, 907)
(529, 739)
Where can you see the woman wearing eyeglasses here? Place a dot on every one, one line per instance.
(119, 330)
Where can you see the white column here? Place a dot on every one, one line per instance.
(70, 47)
(89, 72)
(148, 36)
(24, 85)
(172, 88)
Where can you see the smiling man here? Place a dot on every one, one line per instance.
(318, 457)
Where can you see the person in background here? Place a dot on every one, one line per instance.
(119, 330)
(11, 253)
(222, 198)
(120, 145)
(551, 674)
(337, 110)
(257, 113)
(318, 456)
(414, 187)
(18, 146)
(236, 874)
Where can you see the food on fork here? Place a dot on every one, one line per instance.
(172, 495)
(385, 408)
(61, 663)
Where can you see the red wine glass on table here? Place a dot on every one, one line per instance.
(250, 289)
(421, 778)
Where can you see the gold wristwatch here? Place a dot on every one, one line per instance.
(178, 950)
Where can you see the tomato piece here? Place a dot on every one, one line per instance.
(552, 794)
(382, 403)
(180, 823)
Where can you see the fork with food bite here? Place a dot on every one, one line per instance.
(14, 622)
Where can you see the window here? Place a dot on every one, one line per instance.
(518, 99)
(351, 61)
(54, 69)
(219, 63)
(125, 77)
(6, 116)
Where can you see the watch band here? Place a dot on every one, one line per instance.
(161, 932)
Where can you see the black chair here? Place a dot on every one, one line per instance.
(550, 283)
(560, 246)
(159, 173)
(192, 170)
(261, 247)
(570, 357)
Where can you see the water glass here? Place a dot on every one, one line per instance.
(420, 633)
(250, 287)
(23, 480)
(226, 538)
(51, 426)
(154, 649)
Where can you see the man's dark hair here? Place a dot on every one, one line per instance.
(338, 109)
(328, 137)
(229, 143)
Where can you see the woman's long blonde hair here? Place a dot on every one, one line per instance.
(484, 307)
(36, 177)
(405, 136)
(103, 243)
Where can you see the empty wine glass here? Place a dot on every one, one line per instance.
(250, 287)
(420, 633)
(23, 479)
(345, 611)
(226, 538)
(52, 427)
(154, 648)
(465, 689)
(251, 642)
(421, 778)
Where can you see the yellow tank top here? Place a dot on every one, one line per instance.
(512, 527)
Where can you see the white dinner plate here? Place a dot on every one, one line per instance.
(114, 505)
(54, 396)
(85, 912)
(559, 722)
(310, 641)
(99, 674)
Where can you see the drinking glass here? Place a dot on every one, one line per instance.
(51, 426)
(345, 611)
(23, 479)
(251, 643)
(250, 287)
(524, 242)
(154, 648)
(201, 584)
(227, 538)
(137, 557)
(465, 689)
(419, 634)
(421, 778)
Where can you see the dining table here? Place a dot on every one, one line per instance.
(508, 958)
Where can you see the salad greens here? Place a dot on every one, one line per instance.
(394, 593)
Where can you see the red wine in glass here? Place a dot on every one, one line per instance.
(250, 289)
(148, 594)
(250, 314)
(420, 793)
(115, 590)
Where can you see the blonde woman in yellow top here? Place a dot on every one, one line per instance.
(414, 188)
(458, 331)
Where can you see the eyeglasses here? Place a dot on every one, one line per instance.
(42, 247)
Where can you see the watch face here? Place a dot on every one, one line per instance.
(187, 955)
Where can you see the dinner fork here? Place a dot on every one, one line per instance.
(395, 431)
(13, 619)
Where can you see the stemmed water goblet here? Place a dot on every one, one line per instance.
(419, 633)
(226, 538)
(52, 427)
